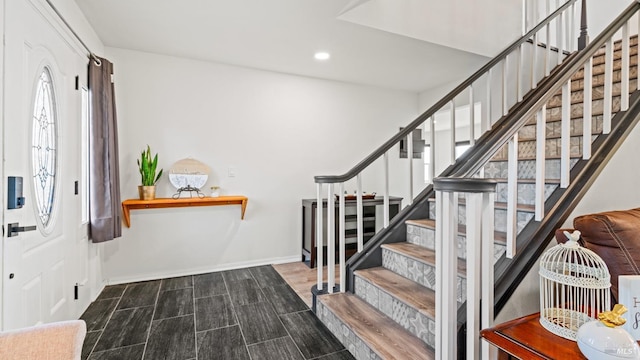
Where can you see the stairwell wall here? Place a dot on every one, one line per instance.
(274, 131)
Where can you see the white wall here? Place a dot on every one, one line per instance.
(277, 131)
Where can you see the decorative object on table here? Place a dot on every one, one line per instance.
(603, 339)
(355, 196)
(147, 166)
(215, 191)
(188, 175)
(574, 287)
(629, 294)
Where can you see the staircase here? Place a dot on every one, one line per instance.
(389, 310)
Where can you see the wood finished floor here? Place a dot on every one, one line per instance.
(302, 278)
(238, 314)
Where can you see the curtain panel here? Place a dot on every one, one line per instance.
(104, 173)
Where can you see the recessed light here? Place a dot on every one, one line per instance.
(322, 56)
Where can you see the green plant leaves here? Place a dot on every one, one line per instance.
(147, 167)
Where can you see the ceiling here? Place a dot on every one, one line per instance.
(412, 45)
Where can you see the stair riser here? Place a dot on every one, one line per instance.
(526, 169)
(526, 193)
(597, 106)
(597, 92)
(553, 148)
(554, 130)
(598, 79)
(425, 237)
(418, 324)
(500, 217)
(421, 273)
(356, 347)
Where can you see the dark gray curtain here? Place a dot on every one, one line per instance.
(104, 174)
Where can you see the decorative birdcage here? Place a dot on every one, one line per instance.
(574, 287)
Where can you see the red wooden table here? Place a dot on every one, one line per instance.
(525, 338)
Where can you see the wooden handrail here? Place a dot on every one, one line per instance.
(376, 154)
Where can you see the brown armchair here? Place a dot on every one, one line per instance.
(615, 237)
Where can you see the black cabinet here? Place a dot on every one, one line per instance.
(372, 219)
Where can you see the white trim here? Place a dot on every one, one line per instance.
(52, 18)
(2, 182)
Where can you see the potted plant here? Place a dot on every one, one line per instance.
(148, 166)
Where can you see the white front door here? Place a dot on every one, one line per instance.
(41, 119)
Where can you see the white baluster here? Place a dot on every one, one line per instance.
(524, 17)
(505, 82)
(453, 132)
(341, 236)
(512, 196)
(587, 108)
(569, 30)
(534, 62)
(608, 84)
(472, 118)
(446, 263)
(486, 120)
(541, 126)
(359, 210)
(560, 36)
(565, 136)
(519, 73)
(410, 158)
(573, 29)
(432, 148)
(474, 261)
(385, 217)
(624, 74)
(319, 239)
(441, 337)
(547, 58)
(488, 214)
(331, 240)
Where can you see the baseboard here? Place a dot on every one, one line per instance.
(202, 270)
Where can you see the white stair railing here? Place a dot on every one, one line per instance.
(480, 203)
(491, 82)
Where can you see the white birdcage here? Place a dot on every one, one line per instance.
(574, 287)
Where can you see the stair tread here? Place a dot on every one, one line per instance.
(421, 254)
(384, 336)
(411, 293)
(498, 236)
(428, 223)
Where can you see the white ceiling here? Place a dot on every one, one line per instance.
(411, 45)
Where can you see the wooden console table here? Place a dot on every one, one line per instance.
(309, 208)
(136, 204)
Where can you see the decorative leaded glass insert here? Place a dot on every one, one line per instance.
(43, 152)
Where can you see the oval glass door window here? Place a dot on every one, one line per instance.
(43, 152)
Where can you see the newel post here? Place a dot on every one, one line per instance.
(479, 197)
(583, 39)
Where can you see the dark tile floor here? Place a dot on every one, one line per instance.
(238, 314)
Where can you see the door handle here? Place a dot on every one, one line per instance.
(15, 228)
